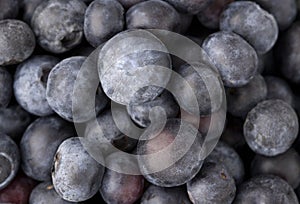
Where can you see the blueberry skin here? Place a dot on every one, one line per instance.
(271, 127)
(152, 14)
(103, 19)
(284, 12)
(17, 41)
(44, 193)
(213, 184)
(265, 189)
(30, 83)
(39, 144)
(6, 83)
(235, 59)
(76, 176)
(28, 7)
(58, 24)
(120, 187)
(241, 100)
(189, 6)
(279, 89)
(227, 156)
(9, 160)
(9, 9)
(129, 3)
(286, 166)
(140, 113)
(13, 121)
(60, 86)
(254, 24)
(160, 195)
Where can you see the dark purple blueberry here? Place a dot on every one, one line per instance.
(213, 184)
(284, 11)
(242, 99)
(44, 193)
(6, 84)
(249, 20)
(235, 59)
(9, 160)
(163, 155)
(103, 19)
(76, 176)
(140, 113)
(17, 41)
(271, 127)
(30, 82)
(226, 155)
(13, 121)
(39, 144)
(153, 14)
(210, 15)
(58, 24)
(59, 92)
(128, 3)
(286, 166)
(118, 187)
(160, 195)
(265, 189)
(9, 9)
(189, 6)
(279, 89)
(28, 7)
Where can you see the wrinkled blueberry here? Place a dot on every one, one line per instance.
(58, 24)
(103, 19)
(213, 184)
(249, 20)
(9, 9)
(242, 99)
(235, 59)
(9, 160)
(76, 176)
(17, 41)
(6, 83)
(271, 127)
(39, 144)
(265, 189)
(189, 6)
(30, 83)
(153, 14)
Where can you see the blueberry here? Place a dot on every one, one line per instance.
(13, 121)
(265, 189)
(284, 11)
(189, 6)
(249, 20)
(60, 87)
(17, 41)
(140, 113)
(44, 193)
(9, 9)
(103, 19)
(185, 22)
(153, 166)
(6, 82)
(241, 100)
(279, 89)
(30, 83)
(58, 24)
(128, 3)
(235, 59)
(28, 7)
(210, 15)
(118, 187)
(213, 184)
(9, 160)
(271, 127)
(286, 166)
(153, 14)
(226, 155)
(160, 195)
(39, 144)
(76, 175)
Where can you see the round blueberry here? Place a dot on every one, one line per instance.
(6, 83)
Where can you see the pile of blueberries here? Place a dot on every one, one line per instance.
(253, 49)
